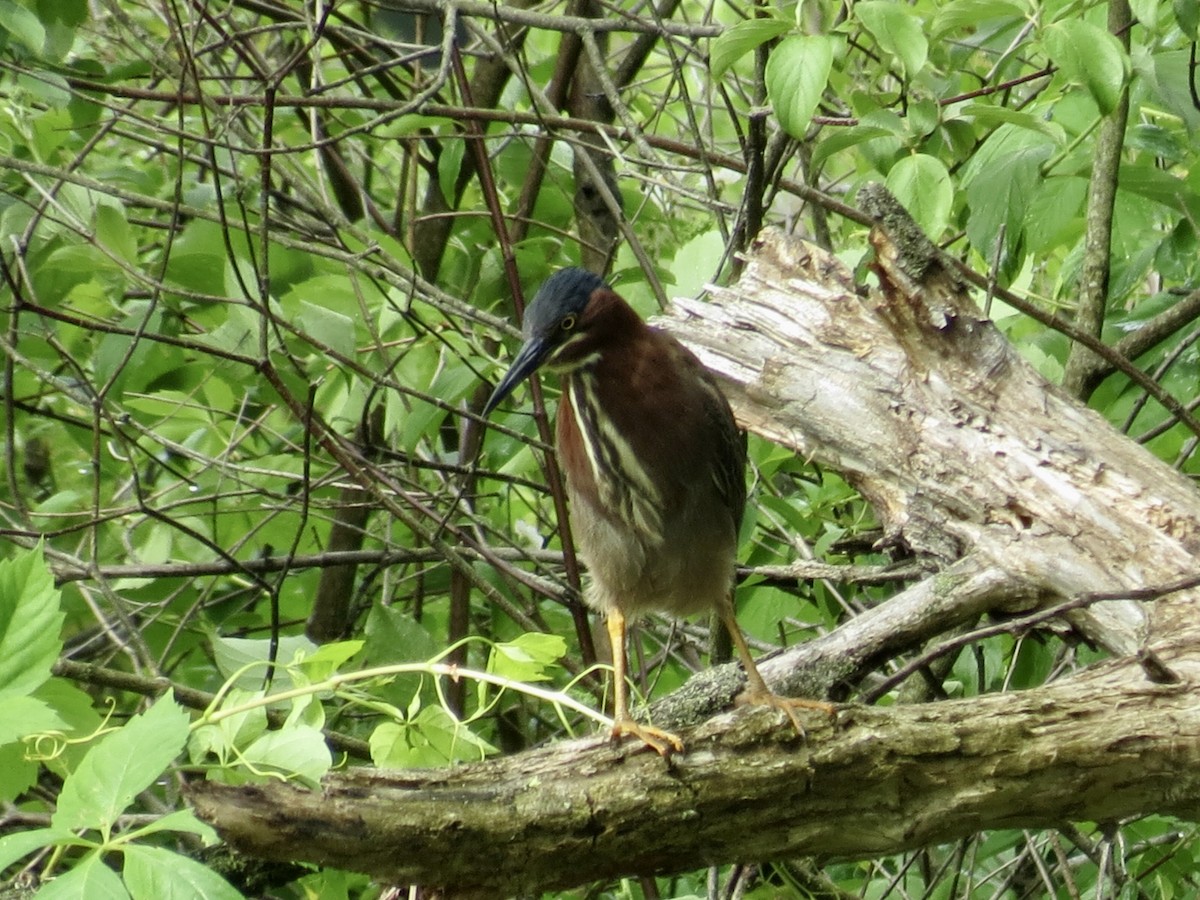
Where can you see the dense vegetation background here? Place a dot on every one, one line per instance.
(259, 262)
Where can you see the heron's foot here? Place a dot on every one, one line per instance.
(662, 742)
(788, 704)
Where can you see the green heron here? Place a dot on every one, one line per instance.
(655, 470)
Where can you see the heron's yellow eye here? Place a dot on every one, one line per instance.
(567, 323)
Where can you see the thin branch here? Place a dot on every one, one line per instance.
(1083, 370)
(1025, 623)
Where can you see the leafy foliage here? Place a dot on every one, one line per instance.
(253, 291)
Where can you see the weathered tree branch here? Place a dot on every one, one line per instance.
(878, 781)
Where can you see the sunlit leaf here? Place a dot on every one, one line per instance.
(527, 657)
(17, 845)
(239, 656)
(298, 751)
(30, 623)
(121, 765)
(90, 879)
(922, 185)
(796, 75)
(971, 14)
(20, 716)
(332, 329)
(153, 873)
(737, 41)
(432, 738)
(1090, 56)
(898, 30)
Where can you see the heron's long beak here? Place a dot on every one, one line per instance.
(532, 355)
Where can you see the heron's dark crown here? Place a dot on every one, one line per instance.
(564, 293)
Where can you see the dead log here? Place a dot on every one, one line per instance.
(878, 781)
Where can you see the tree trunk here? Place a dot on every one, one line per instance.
(1020, 496)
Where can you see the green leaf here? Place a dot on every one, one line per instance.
(1146, 13)
(412, 124)
(1032, 663)
(298, 751)
(840, 139)
(197, 260)
(1168, 76)
(796, 75)
(924, 116)
(61, 19)
(20, 844)
(986, 114)
(736, 42)
(30, 623)
(70, 13)
(449, 165)
(394, 636)
(239, 729)
(527, 657)
(1000, 180)
(922, 185)
(122, 765)
(332, 329)
(1090, 56)
(173, 406)
(234, 656)
(238, 334)
(1054, 216)
(1149, 181)
(17, 773)
(432, 738)
(897, 30)
(70, 266)
(328, 658)
(71, 705)
(1187, 14)
(763, 608)
(695, 263)
(90, 879)
(21, 716)
(395, 745)
(419, 422)
(1158, 141)
(22, 26)
(152, 873)
(113, 232)
(971, 14)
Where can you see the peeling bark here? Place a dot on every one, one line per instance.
(959, 444)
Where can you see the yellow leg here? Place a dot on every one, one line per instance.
(757, 691)
(663, 742)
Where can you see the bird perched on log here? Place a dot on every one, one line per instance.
(655, 470)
